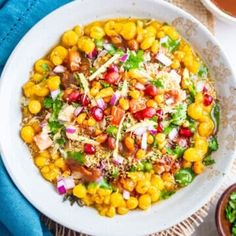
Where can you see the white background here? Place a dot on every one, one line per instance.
(226, 35)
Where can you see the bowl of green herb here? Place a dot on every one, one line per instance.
(226, 212)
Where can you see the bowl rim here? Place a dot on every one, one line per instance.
(217, 11)
(20, 186)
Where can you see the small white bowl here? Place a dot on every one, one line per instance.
(218, 12)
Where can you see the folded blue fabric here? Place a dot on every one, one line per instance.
(17, 215)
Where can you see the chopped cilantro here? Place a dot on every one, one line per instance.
(47, 102)
(170, 44)
(178, 151)
(112, 130)
(99, 43)
(56, 107)
(215, 115)
(45, 67)
(203, 71)
(104, 184)
(213, 144)
(105, 84)
(207, 161)
(77, 156)
(192, 92)
(61, 141)
(180, 115)
(134, 60)
(166, 194)
(158, 83)
(55, 126)
(168, 128)
(154, 118)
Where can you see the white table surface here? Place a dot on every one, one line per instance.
(226, 35)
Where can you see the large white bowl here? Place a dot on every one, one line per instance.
(17, 158)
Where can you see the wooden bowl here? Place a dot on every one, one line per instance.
(222, 224)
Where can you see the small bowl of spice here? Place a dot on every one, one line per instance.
(226, 212)
(223, 9)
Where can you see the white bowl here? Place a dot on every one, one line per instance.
(17, 158)
(218, 12)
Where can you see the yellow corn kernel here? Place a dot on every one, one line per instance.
(140, 154)
(122, 210)
(192, 155)
(41, 161)
(194, 68)
(198, 167)
(144, 201)
(45, 153)
(60, 163)
(142, 186)
(91, 121)
(94, 91)
(206, 128)
(97, 32)
(87, 200)
(81, 118)
(27, 134)
(147, 43)
(40, 90)
(186, 164)
(34, 107)
(58, 55)
(129, 185)
(128, 31)
(110, 28)
(201, 144)
(159, 99)
(106, 92)
(53, 82)
(188, 60)
(195, 111)
(79, 191)
(150, 139)
(172, 33)
(199, 98)
(92, 188)
(151, 103)
(179, 55)
(103, 192)
(116, 199)
(50, 176)
(45, 170)
(161, 34)
(37, 77)
(86, 44)
(78, 30)
(129, 143)
(132, 203)
(124, 104)
(154, 193)
(157, 182)
(160, 138)
(175, 64)
(69, 38)
(111, 211)
(107, 199)
(102, 211)
(155, 47)
(135, 94)
(42, 66)
(168, 177)
(150, 31)
(27, 89)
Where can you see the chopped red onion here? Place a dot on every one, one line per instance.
(126, 194)
(70, 129)
(92, 54)
(113, 68)
(139, 86)
(124, 58)
(61, 188)
(59, 69)
(173, 134)
(101, 104)
(200, 86)
(175, 76)
(140, 131)
(78, 110)
(153, 131)
(144, 141)
(99, 180)
(164, 59)
(117, 159)
(69, 182)
(55, 93)
(115, 98)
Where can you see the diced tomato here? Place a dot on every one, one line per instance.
(148, 112)
(136, 105)
(74, 60)
(116, 114)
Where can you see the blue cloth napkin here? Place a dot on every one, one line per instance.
(17, 215)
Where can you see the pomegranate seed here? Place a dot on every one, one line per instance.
(138, 115)
(148, 112)
(160, 114)
(186, 132)
(89, 148)
(113, 68)
(97, 113)
(151, 90)
(84, 100)
(73, 97)
(159, 128)
(112, 77)
(204, 89)
(208, 99)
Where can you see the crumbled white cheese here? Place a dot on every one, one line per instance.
(164, 59)
(66, 113)
(43, 141)
(144, 124)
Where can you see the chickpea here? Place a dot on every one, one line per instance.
(78, 30)
(192, 155)
(140, 31)
(154, 193)
(41, 161)
(58, 55)
(129, 185)
(201, 144)
(157, 182)
(86, 44)
(60, 163)
(132, 203)
(111, 211)
(53, 82)
(135, 94)
(195, 111)
(69, 38)
(142, 186)
(175, 64)
(150, 31)
(109, 28)
(27, 89)
(198, 167)
(206, 128)
(124, 104)
(34, 106)
(129, 143)
(42, 66)
(79, 191)
(147, 43)
(27, 134)
(150, 139)
(116, 199)
(140, 154)
(37, 77)
(144, 202)
(160, 34)
(133, 44)
(40, 90)
(122, 210)
(155, 47)
(81, 118)
(128, 31)
(97, 32)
